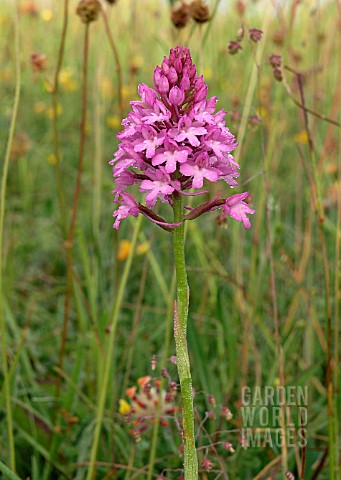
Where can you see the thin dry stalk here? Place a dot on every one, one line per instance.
(69, 241)
(320, 221)
(117, 61)
(56, 140)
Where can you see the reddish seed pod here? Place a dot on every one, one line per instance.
(255, 34)
(207, 464)
(275, 60)
(234, 47)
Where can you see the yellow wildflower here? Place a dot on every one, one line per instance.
(207, 72)
(67, 80)
(52, 159)
(107, 88)
(46, 14)
(124, 407)
(49, 111)
(123, 251)
(40, 107)
(261, 111)
(143, 248)
(301, 137)
(113, 121)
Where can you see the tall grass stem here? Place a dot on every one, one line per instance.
(7, 389)
(108, 357)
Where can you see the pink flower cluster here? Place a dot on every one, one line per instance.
(172, 141)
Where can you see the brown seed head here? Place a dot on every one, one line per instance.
(233, 47)
(255, 34)
(111, 2)
(88, 10)
(240, 6)
(180, 15)
(38, 62)
(275, 60)
(200, 11)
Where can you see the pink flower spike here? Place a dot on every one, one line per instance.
(236, 208)
(172, 140)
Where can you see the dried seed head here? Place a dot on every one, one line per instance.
(38, 62)
(88, 10)
(278, 38)
(254, 121)
(180, 15)
(229, 447)
(200, 11)
(211, 415)
(275, 60)
(255, 34)
(206, 464)
(240, 6)
(278, 75)
(234, 47)
(111, 2)
(226, 413)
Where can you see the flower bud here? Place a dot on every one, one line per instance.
(172, 75)
(163, 86)
(165, 66)
(201, 94)
(176, 96)
(178, 65)
(148, 95)
(157, 76)
(185, 83)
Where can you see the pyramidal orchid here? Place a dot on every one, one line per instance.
(173, 140)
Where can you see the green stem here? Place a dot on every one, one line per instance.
(165, 354)
(180, 329)
(7, 387)
(108, 359)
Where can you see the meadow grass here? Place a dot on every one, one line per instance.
(84, 309)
